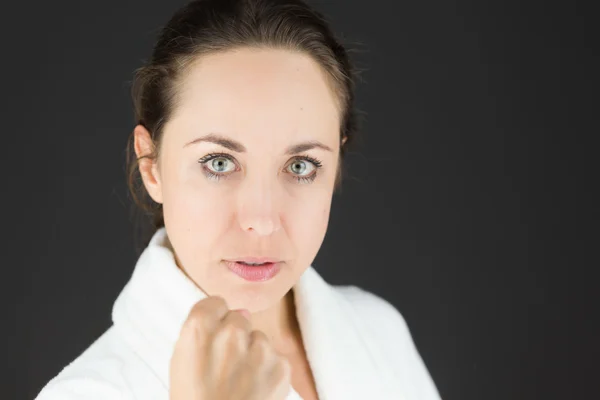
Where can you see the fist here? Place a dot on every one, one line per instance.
(218, 356)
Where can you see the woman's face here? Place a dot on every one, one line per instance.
(265, 190)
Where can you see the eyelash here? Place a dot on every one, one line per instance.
(217, 177)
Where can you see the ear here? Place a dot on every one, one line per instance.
(144, 147)
(344, 140)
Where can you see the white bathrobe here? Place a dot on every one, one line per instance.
(357, 344)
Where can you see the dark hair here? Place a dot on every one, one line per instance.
(208, 26)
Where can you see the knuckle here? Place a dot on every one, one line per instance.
(230, 331)
(217, 301)
(260, 337)
(286, 367)
(283, 371)
(209, 305)
(205, 310)
(259, 348)
(193, 323)
(259, 341)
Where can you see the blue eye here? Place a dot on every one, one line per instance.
(215, 165)
(301, 166)
(220, 164)
(303, 163)
(302, 169)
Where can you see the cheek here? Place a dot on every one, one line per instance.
(308, 223)
(195, 218)
(194, 210)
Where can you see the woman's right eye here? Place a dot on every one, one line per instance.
(217, 166)
(220, 164)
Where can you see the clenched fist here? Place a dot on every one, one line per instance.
(219, 357)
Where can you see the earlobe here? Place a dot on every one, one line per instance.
(144, 149)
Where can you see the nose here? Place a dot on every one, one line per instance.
(258, 210)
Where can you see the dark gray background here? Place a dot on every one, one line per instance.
(466, 206)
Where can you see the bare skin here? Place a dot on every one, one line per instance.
(220, 356)
(293, 350)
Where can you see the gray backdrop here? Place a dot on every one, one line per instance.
(465, 204)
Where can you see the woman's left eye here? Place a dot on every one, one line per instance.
(301, 167)
(304, 170)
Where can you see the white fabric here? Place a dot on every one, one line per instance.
(357, 344)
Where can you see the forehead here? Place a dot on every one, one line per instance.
(257, 94)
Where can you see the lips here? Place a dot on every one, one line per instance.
(254, 271)
(256, 260)
(253, 264)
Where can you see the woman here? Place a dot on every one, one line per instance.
(243, 115)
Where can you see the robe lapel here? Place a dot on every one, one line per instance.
(339, 356)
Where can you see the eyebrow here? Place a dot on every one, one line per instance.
(240, 148)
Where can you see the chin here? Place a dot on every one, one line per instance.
(253, 299)
(255, 296)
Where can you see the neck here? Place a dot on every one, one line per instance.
(279, 323)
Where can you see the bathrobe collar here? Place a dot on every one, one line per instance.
(152, 307)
